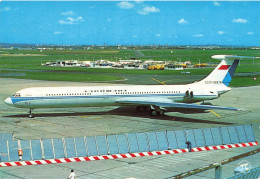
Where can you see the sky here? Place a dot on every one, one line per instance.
(131, 22)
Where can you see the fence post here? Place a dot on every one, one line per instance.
(221, 136)
(64, 147)
(127, 143)
(117, 144)
(156, 137)
(75, 147)
(53, 148)
(253, 132)
(186, 139)
(237, 134)
(229, 135)
(86, 146)
(176, 140)
(30, 142)
(96, 144)
(43, 156)
(7, 145)
(212, 136)
(194, 137)
(168, 145)
(137, 142)
(202, 131)
(218, 171)
(148, 141)
(108, 152)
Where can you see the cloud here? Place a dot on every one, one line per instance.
(216, 3)
(198, 35)
(125, 5)
(6, 9)
(67, 13)
(148, 9)
(182, 21)
(157, 35)
(134, 36)
(250, 33)
(221, 32)
(57, 33)
(239, 20)
(109, 19)
(71, 20)
(138, 1)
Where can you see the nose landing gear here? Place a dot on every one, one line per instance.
(31, 115)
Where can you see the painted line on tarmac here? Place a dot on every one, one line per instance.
(85, 116)
(161, 82)
(123, 156)
(214, 113)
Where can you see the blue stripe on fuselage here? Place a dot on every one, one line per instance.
(20, 99)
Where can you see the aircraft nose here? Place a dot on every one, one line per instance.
(9, 101)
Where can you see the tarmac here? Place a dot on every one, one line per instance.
(75, 122)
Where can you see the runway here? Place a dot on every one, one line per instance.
(75, 122)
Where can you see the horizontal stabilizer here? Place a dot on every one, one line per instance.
(231, 57)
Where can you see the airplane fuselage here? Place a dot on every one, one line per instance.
(61, 97)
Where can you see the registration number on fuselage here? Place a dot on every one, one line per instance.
(213, 82)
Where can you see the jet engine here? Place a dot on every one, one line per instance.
(192, 96)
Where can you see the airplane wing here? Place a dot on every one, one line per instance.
(168, 103)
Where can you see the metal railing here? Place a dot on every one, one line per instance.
(122, 143)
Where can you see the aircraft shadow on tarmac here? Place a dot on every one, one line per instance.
(131, 112)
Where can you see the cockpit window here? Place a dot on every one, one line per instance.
(17, 95)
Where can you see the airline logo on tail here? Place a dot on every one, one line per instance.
(223, 67)
(226, 81)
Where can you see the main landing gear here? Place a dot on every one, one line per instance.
(153, 110)
(31, 115)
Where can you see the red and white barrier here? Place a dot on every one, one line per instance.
(129, 155)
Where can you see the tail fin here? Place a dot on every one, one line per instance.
(224, 72)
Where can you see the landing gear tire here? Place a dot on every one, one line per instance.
(153, 112)
(161, 112)
(31, 115)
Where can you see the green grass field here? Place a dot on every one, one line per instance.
(32, 60)
(58, 76)
(245, 81)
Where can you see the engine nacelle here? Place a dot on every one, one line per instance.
(196, 96)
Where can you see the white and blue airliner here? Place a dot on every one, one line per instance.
(151, 98)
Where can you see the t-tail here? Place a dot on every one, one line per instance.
(223, 73)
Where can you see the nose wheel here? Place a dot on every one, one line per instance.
(31, 115)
